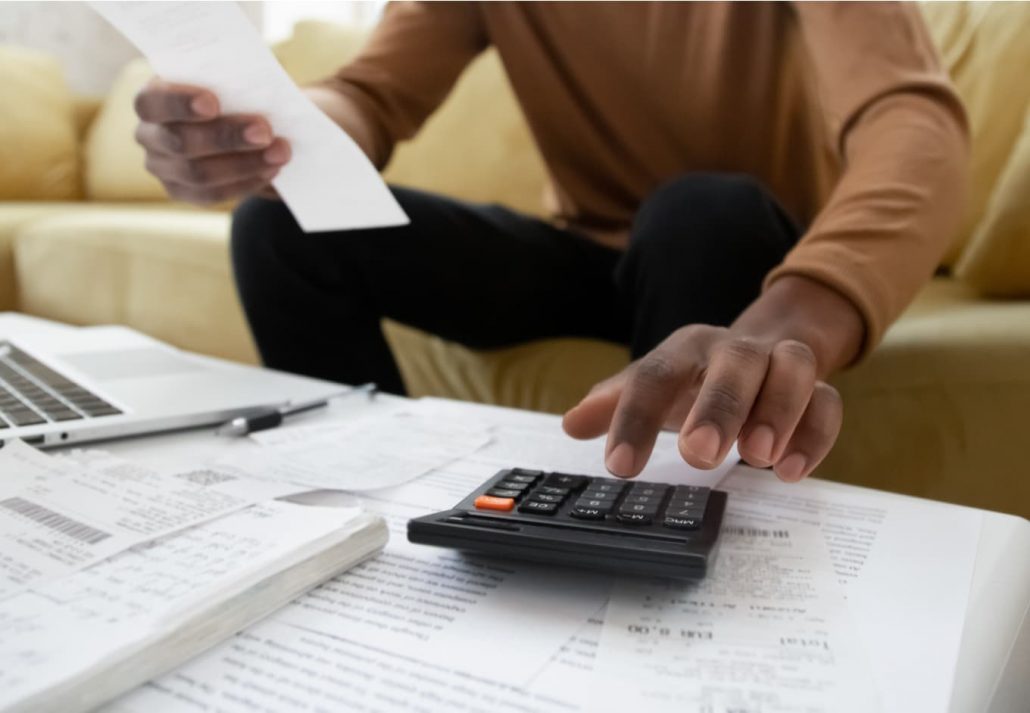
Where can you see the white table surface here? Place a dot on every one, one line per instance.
(993, 671)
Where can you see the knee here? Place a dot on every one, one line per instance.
(688, 210)
(257, 225)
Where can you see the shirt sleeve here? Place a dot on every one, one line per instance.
(409, 65)
(902, 136)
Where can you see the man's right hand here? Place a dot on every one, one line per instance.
(200, 154)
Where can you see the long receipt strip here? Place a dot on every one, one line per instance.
(57, 516)
(329, 183)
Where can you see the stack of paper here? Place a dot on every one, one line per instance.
(116, 574)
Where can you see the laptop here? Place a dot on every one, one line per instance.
(62, 385)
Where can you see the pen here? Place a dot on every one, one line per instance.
(242, 425)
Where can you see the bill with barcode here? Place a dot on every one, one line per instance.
(65, 515)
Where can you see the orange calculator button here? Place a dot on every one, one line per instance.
(488, 502)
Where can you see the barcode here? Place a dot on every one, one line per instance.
(205, 477)
(755, 532)
(55, 521)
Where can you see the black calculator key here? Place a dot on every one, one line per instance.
(602, 486)
(512, 485)
(521, 478)
(583, 512)
(687, 489)
(682, 523)
(639, 508)
(545, 498)
(634, 518)
(687, 512)
(538, 507)
(592, 494)
(549, 490)
(504, 493)
(642, 499)
(561, 480)
(649, 489)
(527, 471)
(603, 505)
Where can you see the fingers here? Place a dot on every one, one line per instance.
(213, 171)
(226, 134)
(591, 416)
(216, 194)
(162, 102)
(734, 377)
(780, 404)
(814, 436)
(647, 397)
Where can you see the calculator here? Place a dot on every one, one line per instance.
(626, 527)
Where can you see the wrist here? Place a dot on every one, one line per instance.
(808, 311)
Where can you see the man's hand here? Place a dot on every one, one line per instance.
(757, 382)
(200, 154)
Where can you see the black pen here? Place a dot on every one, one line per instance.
(243, 425)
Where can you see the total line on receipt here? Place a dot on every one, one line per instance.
(329, 183)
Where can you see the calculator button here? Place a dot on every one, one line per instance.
(521, 478)
(560, 480)
(634, 518)
(592, 494)
(602, 487)
(639, 508)
(588, 513)
(685, 490)
(488, 502)
(689, 512)
(649, 489)
(504, 493)
(527, 471)
(603, 505)
(512, 485)
(545, 498)
(549, 490)
(681, 504)
(539, 508)
(682, 523)
(642, 499)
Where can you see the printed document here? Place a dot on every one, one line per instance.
(329, 183)
(66, 516)
(369, 453)
(767, 630)
(906, 566)
(80, 624)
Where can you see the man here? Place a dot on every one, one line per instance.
(746, 194)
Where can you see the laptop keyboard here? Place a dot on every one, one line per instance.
(31, 393)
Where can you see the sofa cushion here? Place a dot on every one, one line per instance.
(997, 259)
(164, 272)
(985, 49)
(39, 152)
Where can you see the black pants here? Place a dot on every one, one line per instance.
(485, 276)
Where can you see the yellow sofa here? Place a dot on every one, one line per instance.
(939, 409)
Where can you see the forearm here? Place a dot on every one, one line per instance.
(345, 112)
(805, 310)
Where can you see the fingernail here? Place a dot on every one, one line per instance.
(704, 442)
(204, 105)
(277, 154)
(760, 443)
(620, 461)
(792, 467)
(257, 134)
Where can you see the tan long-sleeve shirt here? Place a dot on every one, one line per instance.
(840, 109)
